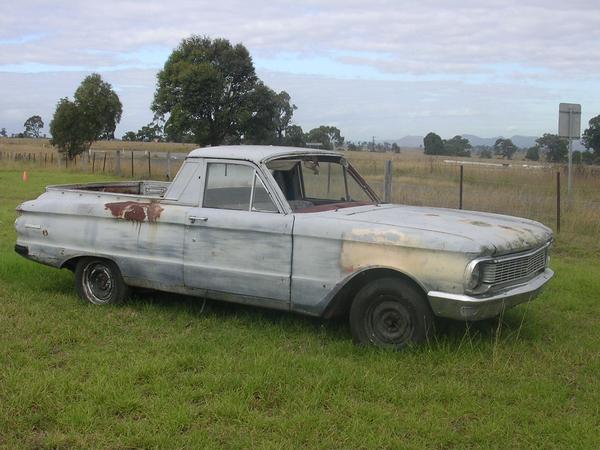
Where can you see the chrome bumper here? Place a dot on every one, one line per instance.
(465, 307)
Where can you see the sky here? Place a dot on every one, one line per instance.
(378, 68)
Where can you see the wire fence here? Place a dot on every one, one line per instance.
(537, 192)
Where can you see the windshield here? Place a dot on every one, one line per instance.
(320, 183)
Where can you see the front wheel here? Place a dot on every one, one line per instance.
(99, 281)
(390, 313)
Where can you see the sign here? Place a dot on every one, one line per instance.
(569, 120)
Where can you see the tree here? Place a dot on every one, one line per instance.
(554, 147)
(3, 132)
(92, 115)
(329, 137)
(577, 157)
(433, 144)
(129, 136)
(294, 136)
(591, 136)
(284, 110)
(533, 153)
(395, 148)
(33, 125)
(204, 88)
(504, 148)
(457, 146)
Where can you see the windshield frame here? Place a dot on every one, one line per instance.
(328, 204)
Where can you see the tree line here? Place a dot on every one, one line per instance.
(550, 147)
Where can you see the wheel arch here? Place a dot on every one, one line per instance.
(341, 300)
(71, 262)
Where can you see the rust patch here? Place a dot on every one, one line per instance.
(135, 211)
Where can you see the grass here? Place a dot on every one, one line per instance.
(175, 372)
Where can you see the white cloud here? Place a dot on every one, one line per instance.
(431, 57)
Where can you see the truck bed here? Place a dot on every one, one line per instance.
(137, 188)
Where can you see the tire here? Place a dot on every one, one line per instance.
(390, 313)
(99, 281)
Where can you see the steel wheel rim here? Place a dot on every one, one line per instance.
(98, 283)
(389, 322)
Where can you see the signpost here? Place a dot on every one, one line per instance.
(569, 126)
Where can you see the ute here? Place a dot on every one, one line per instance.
(292, 229)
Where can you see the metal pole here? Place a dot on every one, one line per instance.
(387, 182)
(460, 193)
(570, 177)
(558, 202)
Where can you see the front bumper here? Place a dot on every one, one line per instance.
(465, 307)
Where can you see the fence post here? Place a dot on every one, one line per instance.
(387, 182)
(460, 193)
(118, 163)
(169, 166)
(93, 161)
(558, 202)
(85, 160)
(131, 164)
(104, 163)
(149, 169)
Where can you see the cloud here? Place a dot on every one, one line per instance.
(432, 57)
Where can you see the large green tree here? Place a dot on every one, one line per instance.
(554, 147)
(591, 137)
(33, 125)
(92, 115)
(457, 146)
(505, 148)
(433, 144)
(205, 91)
(327, 136)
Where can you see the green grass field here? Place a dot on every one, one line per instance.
(172, 372)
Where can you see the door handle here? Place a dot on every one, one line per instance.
(194, 219)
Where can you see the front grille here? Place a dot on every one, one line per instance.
(514, 268)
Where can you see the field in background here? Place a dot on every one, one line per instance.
(174, 372)
(418, 180)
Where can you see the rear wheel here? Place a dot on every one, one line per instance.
(390, 313)
(99, 281)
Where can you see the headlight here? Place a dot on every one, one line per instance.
(474, 277)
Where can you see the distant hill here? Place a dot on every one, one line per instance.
(519, 141)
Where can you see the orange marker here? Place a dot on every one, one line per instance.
(25, 176)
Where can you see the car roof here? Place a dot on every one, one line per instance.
(255, 153)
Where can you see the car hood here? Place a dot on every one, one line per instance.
(499, 233)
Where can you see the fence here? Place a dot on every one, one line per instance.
(527, 192)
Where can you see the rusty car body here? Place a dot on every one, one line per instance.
(292, 229)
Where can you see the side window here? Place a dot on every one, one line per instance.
(261, 200)
(228, 186)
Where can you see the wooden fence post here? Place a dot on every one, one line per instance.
(387, 182)
(93, 161)
(131, 164)
(169, 166)
(104, 163)
(118, 163)
(460, 193)
(149, 168)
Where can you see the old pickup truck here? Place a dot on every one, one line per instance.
(288, 228)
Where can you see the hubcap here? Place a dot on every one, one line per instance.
(98, 283)
(389, 322)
